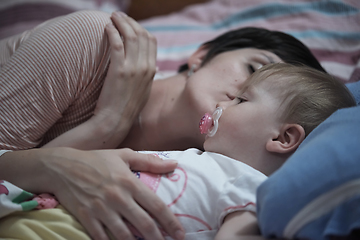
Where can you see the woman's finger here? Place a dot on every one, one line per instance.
(91, 224)
(114, 222)
(119, 202)
(160, 212)
(142, 37)
(147, 45)
(131, 41)
(152, 55)
(147, 199)
(136, 214)
(116, 43)
(144, 226)
(146, 162)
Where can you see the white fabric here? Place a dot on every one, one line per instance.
(4, 151)
(204, 188)
(14, 199)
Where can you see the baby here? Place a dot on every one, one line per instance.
(213, 193)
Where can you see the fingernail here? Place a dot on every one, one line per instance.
(115, 14)
(173, 161)
(120, 14)
(110, 25)
(179, 235)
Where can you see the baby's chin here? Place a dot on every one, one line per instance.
(215, 147)
(209, 147)
(206, 145)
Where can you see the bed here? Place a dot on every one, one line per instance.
(331, 29)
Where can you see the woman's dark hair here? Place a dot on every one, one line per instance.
(288, 48)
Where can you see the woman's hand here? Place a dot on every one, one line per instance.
(100, 190)
(97, 187)
(125, 90)
(128, 82)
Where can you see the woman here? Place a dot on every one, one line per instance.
(64, 64)
(70, 72)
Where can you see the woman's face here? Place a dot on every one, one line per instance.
(221, 78)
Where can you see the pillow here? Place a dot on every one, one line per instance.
(355, 90)
(316, 193)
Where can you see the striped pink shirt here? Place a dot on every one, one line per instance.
(51, 78)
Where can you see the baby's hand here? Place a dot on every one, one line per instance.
(46, 201)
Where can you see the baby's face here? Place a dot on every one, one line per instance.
(246, 124)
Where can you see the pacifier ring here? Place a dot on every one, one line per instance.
(209, 124)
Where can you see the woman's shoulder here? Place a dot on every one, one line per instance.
(84, 21)
(88, 17)
(77, 32)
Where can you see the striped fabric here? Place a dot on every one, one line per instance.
(51, 77)
(331, 29)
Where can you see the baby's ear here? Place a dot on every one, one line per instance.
(197, 57)
(288, 139)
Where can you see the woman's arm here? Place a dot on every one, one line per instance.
(51, 78)
(125, 90)
(97, 187)
(53, 81)
(239, 225)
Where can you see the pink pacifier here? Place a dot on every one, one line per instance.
(209, 124)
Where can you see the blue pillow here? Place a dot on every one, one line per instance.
(316, 193)
(355, 90)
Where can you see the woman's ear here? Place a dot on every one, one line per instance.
(197, 57)
(288, 140)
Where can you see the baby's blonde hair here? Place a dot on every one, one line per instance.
(308, 95)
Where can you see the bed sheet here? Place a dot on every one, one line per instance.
(331, 29)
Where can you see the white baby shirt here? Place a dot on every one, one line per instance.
(204, 188)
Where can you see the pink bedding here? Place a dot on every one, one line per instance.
(331, 29)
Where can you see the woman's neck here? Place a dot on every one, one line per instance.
(164, 123)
